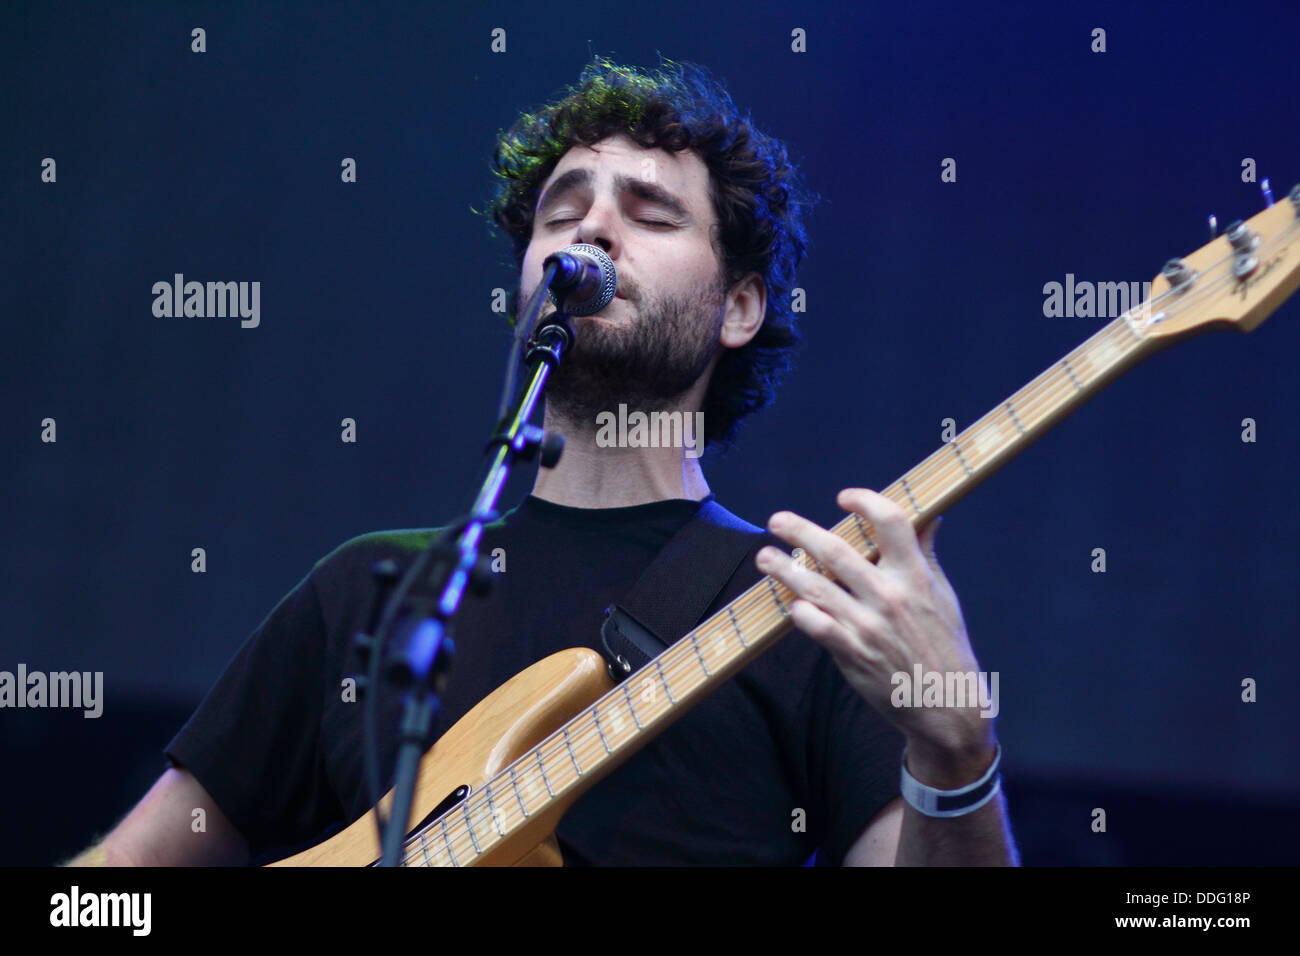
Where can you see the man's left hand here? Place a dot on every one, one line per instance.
(888, 617)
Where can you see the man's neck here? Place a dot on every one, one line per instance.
(591, 476)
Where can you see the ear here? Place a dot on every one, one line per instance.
(746, 307)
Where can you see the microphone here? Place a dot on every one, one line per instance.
(586, 278)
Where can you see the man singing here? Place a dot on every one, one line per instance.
(802, 750)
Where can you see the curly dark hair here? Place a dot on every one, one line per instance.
(757, 197)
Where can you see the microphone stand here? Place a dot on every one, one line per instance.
(420, 658)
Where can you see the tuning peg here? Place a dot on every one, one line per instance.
(1242, 238)
(1267, 190)
(1180, 275)
(1244, 241)
(1214, 226)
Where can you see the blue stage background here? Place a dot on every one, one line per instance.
(924, 298)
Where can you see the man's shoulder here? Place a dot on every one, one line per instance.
(360, 552)
(719, 514)
(755, 535)
(400, 544)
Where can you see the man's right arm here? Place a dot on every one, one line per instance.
(164, 830)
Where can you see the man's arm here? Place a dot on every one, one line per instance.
(882, 621)
(979, 838)
(878, 843)
(161, 830)
(900, 836)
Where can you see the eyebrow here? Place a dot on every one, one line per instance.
(641, 189)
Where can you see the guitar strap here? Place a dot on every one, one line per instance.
(673, 593)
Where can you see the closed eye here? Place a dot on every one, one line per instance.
(648, 222)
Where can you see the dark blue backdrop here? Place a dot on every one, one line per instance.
(924, 301)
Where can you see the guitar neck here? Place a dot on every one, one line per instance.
(593, 743)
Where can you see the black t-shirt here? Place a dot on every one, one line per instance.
(784, 758)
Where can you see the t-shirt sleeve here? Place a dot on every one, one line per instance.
(847, 755)
(253, 743)
(855, 756)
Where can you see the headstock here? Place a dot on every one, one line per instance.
(1239, 278)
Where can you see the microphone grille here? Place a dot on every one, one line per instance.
(608, 279)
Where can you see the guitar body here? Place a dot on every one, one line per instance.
(502, 727)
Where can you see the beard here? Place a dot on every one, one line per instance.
(648, 361)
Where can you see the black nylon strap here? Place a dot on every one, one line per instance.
(673, 593)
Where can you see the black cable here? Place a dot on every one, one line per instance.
(522, 335)
(370, 744)
(370, 738)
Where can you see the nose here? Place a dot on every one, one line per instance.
(598, 229)
(596, 239)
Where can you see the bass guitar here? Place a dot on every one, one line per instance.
(493, 788)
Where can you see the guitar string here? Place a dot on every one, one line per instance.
(577, 743)
(587, 743)
(578, 740)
